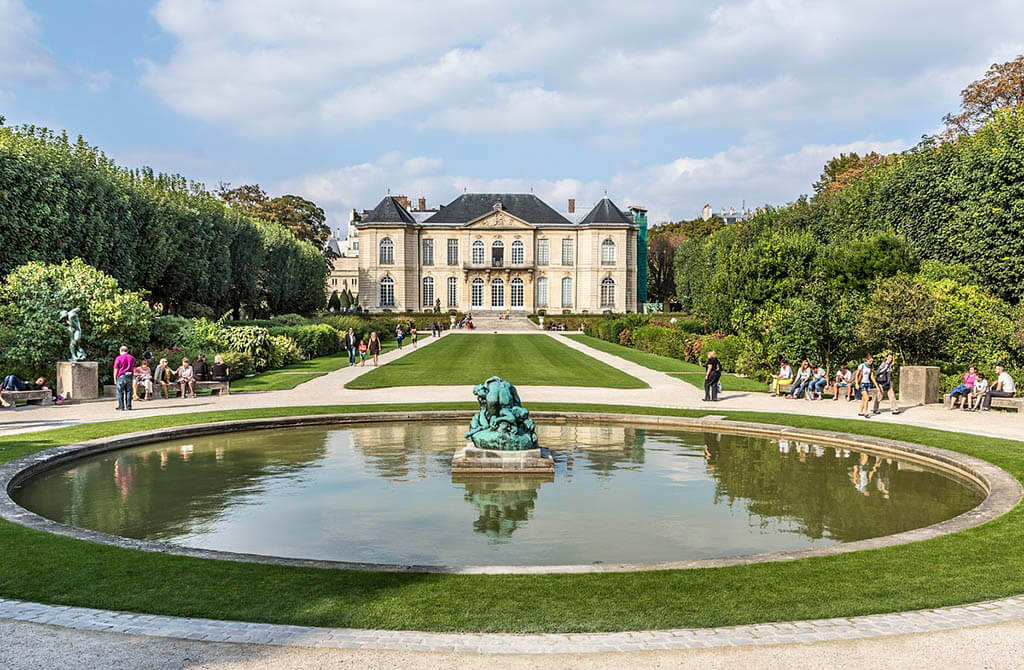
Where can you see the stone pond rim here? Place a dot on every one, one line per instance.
(1001, 490)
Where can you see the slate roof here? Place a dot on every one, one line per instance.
(525, 206)
(389, 210)
(605, 212)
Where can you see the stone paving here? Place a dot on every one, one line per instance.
(209, 630)
(664, 391)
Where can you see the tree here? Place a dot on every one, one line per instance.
(301, 217)
(844, 169)
(334, 302)
(903, 314)
(1001, 88)
(661, 252)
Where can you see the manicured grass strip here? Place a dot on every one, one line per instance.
(691, 373)
(288, 377)
(525, 360)
(976, 564)
(729, 382)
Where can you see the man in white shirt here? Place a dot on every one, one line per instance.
(1003, 388)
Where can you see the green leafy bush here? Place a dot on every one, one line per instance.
(314, 340)
(168, 331)
(239, 364)
(250, 340)
(284, 351)
(660, 340)
(729, 349)
(32, 336)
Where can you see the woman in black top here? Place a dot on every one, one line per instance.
(712, 375)
(219, 370)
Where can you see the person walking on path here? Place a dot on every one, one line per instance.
(399, 335)
(413, 335)
(362, 353)
(884, 377)
(124, 366)
(712, 375)
(374, 347)
(865, 381)
(350, 346)
(1003, 388)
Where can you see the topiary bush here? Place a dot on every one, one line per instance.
(32, 336)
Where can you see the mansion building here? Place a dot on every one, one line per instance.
(489, 252)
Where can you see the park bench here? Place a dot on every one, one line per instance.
(9, 399)
(215, 388)
(1000, 403)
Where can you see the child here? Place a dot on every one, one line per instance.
(974, 400)
(362, 353)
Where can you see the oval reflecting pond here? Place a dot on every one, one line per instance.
(385, 493)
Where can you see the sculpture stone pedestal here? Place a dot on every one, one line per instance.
(471, 459)
(919, 385)
(78, 380)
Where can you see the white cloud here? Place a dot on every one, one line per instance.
(23, 59)
(279, 67)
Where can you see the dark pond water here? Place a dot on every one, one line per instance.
(385, 493)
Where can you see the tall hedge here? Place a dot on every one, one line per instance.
(61, 200)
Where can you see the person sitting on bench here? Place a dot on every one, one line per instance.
(219, 370)
(1003, 388)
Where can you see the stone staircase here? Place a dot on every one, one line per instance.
(489, 323)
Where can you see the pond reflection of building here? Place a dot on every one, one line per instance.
(504, 502)
(606, 446)
(400, 450)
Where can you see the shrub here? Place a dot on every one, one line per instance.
(239, 364)
(660, 340)
(312, 340)
(250, 340)
(626, 338)
(729, 349)
(203, 334)
(168, 331)
(32, 336)
(284, 351)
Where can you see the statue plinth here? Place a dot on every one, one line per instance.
(471, 459)
(78, 380)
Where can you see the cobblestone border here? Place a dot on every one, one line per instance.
(1002, 491)
(817, 630)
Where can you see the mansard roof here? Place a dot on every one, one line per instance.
(389, 210)
(470, 206)
(605, 212)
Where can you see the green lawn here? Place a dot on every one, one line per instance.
(976, 564)
(291, 376)
(691, 373)
(524, 360)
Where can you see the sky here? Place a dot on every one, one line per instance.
(669, 104)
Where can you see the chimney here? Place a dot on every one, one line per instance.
(403, 201)
(572, 205)
(423, 204)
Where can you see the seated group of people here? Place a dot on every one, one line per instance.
(812, 380)
(185, 376)
(809, 380)
(466, 322)
(976, 392)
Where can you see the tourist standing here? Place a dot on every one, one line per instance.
(350, 346)
(785, 376)
(865, 381)
(399, 335)
(1004, 387)
(712, 375)
(374, 347)
(124, 365)
(413, 335)
(884, 376)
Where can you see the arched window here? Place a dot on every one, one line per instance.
(387, 292)
(478, 253)
(453, 291)
(497, 253)
(476, 294)
(516, 291)
(608, 252)
(518, 253)
(428, 291)
(566, 292)
(497, 292)
(542, 292)
(607, 293)
(387, 251)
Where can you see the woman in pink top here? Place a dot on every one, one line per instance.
(963, 391)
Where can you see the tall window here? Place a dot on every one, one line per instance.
(497, 292)
(516, 290)
(567, 251)
(542, 252)
(608, 252)
(387, 292)
(453, 291)
(476, 292)
(607, 292)
(478, 252)
(428, 291)
(428, 252)
(518, 253)
(453, 252)
(566, 292)
(387, 251)
(497, 253)
(542, 292)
